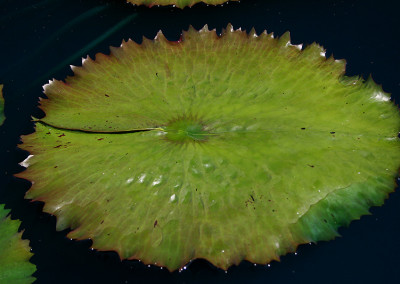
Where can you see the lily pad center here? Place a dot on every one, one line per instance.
(184, 130)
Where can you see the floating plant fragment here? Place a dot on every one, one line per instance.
(223, 148)
(2, 117)
(14, 252)
(177, 3)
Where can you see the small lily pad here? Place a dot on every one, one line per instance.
(228, 148)
(177, 3)
(14, 252)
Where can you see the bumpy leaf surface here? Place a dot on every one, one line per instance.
(177, 3)
(14, 252)
(252, 146)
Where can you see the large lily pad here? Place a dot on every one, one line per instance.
(14, 252)
(177, 3)
(223, 148)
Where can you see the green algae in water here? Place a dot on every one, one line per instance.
(223, 148)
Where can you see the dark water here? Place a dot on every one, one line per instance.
(40, 39)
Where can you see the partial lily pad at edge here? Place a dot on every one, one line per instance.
(177, 3)
(224, 147)
(14, 252)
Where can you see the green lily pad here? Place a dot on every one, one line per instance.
(14, 252)
(223, 148)
(177, 3)
(2, 116)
